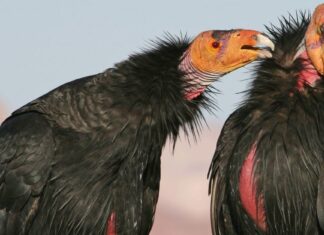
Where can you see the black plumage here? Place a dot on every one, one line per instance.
(282, 123)
(92, 147)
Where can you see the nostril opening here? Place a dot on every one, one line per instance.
(255, 37)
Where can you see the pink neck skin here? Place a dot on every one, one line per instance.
(309, 75)
(196, 79)
(111, 224)
(252, 204)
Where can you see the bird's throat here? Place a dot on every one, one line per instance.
(308, 75)
(196, 81)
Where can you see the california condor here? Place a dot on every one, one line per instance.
(265, 171)
(85, 157)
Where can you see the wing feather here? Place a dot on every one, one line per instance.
(220, 218)
(26, 151)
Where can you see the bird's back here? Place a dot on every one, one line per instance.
(96, 167)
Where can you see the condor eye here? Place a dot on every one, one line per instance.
(215, 44)
(321, 29)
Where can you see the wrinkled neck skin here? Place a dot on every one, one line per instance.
(308, 75)
(196, 80)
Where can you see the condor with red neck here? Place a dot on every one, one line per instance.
(85, 157)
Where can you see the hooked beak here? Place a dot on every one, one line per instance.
(264, 46)
(258, 44)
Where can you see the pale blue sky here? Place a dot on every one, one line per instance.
(46, 43)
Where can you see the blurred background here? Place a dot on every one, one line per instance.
(46, 43)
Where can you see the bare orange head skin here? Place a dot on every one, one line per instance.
(315, 39)
(222, 51)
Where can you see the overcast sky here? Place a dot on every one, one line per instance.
(46, 43)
